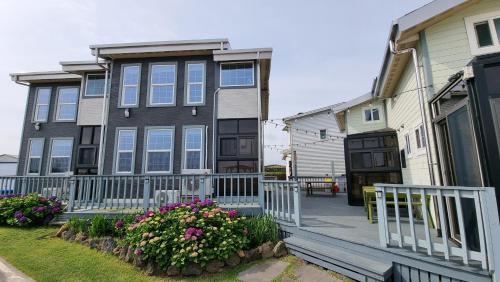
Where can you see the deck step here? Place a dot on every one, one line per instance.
(347, 262)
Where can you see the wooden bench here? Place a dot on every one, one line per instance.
(327, 185)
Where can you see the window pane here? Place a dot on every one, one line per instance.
(247, 166)
(228, 126)
(370, 142)
(159, 139)
(126, 140)
(228, 147)
(380, 159)
(129, 95)
(497, 27)
(66, 112)
(195, 93)
(95, 85)
(238, 74)
(86, 138)
(68, 95)
(356, 144)
(34, 165)
(86, 156)
(62, 148)
(248, 126)
(390, 141)
(193, 159)
(248, 146)
(130, 75)
(193, 138)
(162, 74)
(36, 148)
(361, 160)
(368, 115)
(124, 162)
(97, 135)
(60, 165)
(195, 72)
(158, 161)
(162, 94)
(42, 113)
(227, 167)
(417, 137)
(43, 96)
(483, 34)
(322, 134)
(375, 114)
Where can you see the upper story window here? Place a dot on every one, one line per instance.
(94, 85)
(159, 150)
(35, 153)
(237, 74)
(67, 98)
(193, 148)
(420, 137)
(130, 86)
(322, 134)
(125, 151)
(60, 155)
(42, 104)
(484, 33)
(371, 114)
(407, 144)
(195, 84)
(162, 85)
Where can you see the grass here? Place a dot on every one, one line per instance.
(40, 255)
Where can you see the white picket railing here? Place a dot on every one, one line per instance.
(416, 198)
(282, 200)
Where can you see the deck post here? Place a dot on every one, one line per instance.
(145, 195)
(492, 229)
(261, 191)
(382, 216)
(23, 186)
(203, 188)
(296, 203)
(72, 191)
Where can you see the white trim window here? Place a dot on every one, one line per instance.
(131, 75)
(159, 143)
(237, 74)
(67, 99)
(42, 104)
(483, 32)
(162, 84)
(371, 114)
(195, 84)
(94, 85)
(35, 153)
(193, 148)
(125, 151)
(420, 137)
(61, 151)
(407, 144)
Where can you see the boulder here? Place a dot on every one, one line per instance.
(280, 250)
(267, 250)
(67, 235)
(80, 237)
(152, 268)
(173, 270)
(241, 253)
(117, 251)
(129, 257)
(214, 266)
(253, 254)
(233, 260)
(107, 244)
(63, 228)
(138, 262)
(93, 243)
(123, 252)
(192, 269)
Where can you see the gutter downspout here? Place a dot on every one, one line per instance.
(259, 113)
(421, 102)
(214, 122)
(104, 117)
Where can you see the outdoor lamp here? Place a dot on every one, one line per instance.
(127, 112)
(193, 111)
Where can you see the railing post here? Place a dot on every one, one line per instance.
(296, 203)
(23, 186)
(145, 194)
(382, 216)
(261, 191)
(203, 189)
(491, 229)
(72, 191)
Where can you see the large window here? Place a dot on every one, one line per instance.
(42, 104)
(60, 155)
(94, 85)
(420, 137)
(162, 84)
(484, 33)
(88, 147)
(125, 151)
(130, 85)
(371, 115)
(195, 84)
(193, 147)
(159, 150)
(237, 74)
(67, 99)
(237, 145)
(35, 152)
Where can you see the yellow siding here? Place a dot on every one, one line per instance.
(354, 119)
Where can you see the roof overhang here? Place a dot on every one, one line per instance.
(340, 111)
(81, 67)
(331, 108)
(405, 32)
(159, 48)
(44, 77)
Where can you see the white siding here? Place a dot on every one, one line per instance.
(316, 159)
(8, 169)
(355, 122)
(237, 103)
(90, 111)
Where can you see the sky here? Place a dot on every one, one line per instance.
(324, 51)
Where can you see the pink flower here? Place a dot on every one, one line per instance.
(232, 213)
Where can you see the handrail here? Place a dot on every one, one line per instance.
(282, 200)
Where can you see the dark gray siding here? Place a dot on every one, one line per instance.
(47, 130)
(144, 116)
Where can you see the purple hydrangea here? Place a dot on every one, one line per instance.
(18, 215)
(119, 224)
(232, 213)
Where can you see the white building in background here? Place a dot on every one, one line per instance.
(8, 165)
(316, 143)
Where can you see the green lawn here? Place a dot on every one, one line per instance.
(40, 255)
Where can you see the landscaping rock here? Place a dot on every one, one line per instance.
(67, 235)
(192, 269)
(233, 260)
(129, 257)
(253, 254)
(117, 251)
(123, 252)
(152, 269)
(214, 266)
(267, 250)
(241, 253)
(80, 237)
(63, 228)
(93, 243)
(173, 270)
(280, 250)
(138, 262)
(107, 244)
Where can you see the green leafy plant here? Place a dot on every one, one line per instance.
(100, 226)
(78, 225)
(28, 210)
(262, 228)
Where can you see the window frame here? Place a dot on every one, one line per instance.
(470, 23)
(407, 145)
(116, 150)
(122, 86)
(36, 106)
(237, 85)
(150, 85)
(420, 138)
(49, 166)
(185, 150)
(56, 112)
(86, 85)
(146, 151)
(363, 118)
(29, 157)
(187, 84)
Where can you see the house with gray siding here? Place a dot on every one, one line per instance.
(169, 107)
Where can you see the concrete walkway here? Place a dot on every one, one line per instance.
(263, 272)
(8, 273)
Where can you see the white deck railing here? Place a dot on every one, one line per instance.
(282, 200)
(481, 200)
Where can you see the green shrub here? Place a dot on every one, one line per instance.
(78, 225)
(100, 226)
(261, 228)
(28, 210)
(120, 223)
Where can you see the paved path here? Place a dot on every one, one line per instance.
(8, 273)
(263, 272)
(310, 273)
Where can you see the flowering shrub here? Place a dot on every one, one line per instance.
(28, 210)
(180, 233)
